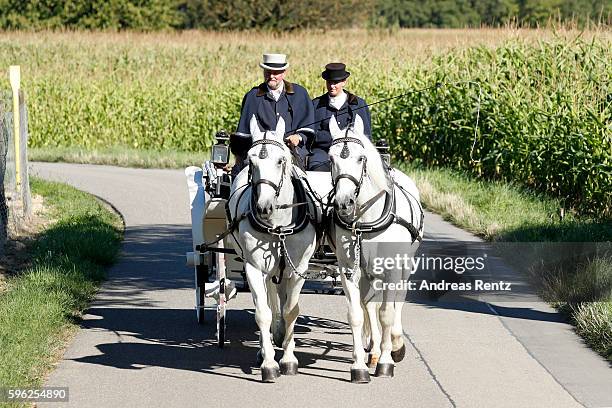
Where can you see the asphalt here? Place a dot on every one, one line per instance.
(140, 345)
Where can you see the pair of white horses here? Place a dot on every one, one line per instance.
(360, 181)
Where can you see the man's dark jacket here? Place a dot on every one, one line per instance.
(294, 106)
(354, 105)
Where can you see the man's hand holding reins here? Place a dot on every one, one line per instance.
(293, 140)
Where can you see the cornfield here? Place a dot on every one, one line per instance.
(544, 99)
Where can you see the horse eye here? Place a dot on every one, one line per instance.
(280, 161)
(360, 159)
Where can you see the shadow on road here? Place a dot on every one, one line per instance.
(171, 338)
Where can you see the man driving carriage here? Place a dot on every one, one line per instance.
(272, 99)
(343, 105)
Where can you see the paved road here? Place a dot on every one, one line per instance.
(140, 346)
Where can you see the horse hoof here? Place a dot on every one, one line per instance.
(360, 376)
(373, 361)
(290, 368)
(259, 359)
(269, 374)
(398, 355)
(384, 370)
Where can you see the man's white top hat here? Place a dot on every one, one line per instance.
(275, 62)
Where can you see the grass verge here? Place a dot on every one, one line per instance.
(41, 306)
(118, 156)
(499, 211)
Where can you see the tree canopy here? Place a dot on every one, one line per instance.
(283, 15)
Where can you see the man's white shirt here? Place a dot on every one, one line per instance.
(276, 93)
(338, 100)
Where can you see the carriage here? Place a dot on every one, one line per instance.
(291, 220)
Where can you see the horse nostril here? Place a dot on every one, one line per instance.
(351, 202)
(266, 210)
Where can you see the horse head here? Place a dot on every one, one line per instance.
(354, 160)
(270, 164)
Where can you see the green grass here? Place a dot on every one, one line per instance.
(594, 323)
(42, 305)
(119, 156)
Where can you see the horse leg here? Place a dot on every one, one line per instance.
(291, 311)
(398, 347)
(372, 309)
(276, 299)
(263, 317)
(359, 369)
(386, 314)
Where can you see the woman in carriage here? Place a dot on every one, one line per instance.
(339, 103)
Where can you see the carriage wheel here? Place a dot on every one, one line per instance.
(200, 305)
(221, 315)
(201, 277)
(219, 261)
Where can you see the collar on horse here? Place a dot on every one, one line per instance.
(299, 221)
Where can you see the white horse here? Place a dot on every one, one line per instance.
(374, 219)
(263, 203)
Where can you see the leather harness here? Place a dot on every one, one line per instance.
(303, 216)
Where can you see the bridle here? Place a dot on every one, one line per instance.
(262, 155)
(345, 154)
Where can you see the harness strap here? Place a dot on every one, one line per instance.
(410, 227)
(406, 194)
(233, 224)
(366, 206)
(388, 216)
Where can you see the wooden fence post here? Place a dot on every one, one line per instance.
(15, 77)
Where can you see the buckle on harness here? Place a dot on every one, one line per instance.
(280, 233)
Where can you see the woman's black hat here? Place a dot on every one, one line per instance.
(336, 71)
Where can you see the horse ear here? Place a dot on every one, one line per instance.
(280, 129)
(334, 130)
(358, 126)
(256, 133)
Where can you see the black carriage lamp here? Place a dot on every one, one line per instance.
(220, 150)
(383, 149)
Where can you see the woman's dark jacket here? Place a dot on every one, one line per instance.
(323, 111)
